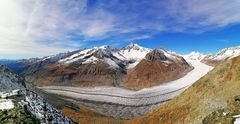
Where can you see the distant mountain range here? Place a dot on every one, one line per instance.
(103, 65)
(222, 55)
(132, 66)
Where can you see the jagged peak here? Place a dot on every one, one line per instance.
(132, 45)
(160, 50)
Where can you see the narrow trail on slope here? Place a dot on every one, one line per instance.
(127, 97)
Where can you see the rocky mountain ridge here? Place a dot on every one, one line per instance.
(222, 55)
(97, 66)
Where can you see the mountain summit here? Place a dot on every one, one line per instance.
(194, 56)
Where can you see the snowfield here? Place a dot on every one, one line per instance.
(6, 104)
(147, 96)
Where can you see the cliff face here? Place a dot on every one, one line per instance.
(207, 95)
(157, 67)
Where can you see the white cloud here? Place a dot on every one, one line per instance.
(202, 14)
(41, 27)
(44, 27)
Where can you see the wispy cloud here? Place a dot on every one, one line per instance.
(44, 27)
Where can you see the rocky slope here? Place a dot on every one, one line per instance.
(27, 105)
(157, 67)
(207, 95)
(89, 67)
(223, 55)
(9, 81)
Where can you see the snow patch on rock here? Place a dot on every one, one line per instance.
(6, 104)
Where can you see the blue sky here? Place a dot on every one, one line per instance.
(42, 27)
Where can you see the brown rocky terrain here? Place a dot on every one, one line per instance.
(76, 73)
(83, 75)
(157, 67)
(207, 61)
(207, 95)
(86, 116)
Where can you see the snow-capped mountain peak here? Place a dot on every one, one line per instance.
(226, 53)
(194, 56)
(134, 46)
(164, 56)
(133, 53)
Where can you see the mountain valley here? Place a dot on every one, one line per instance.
(115, 86)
